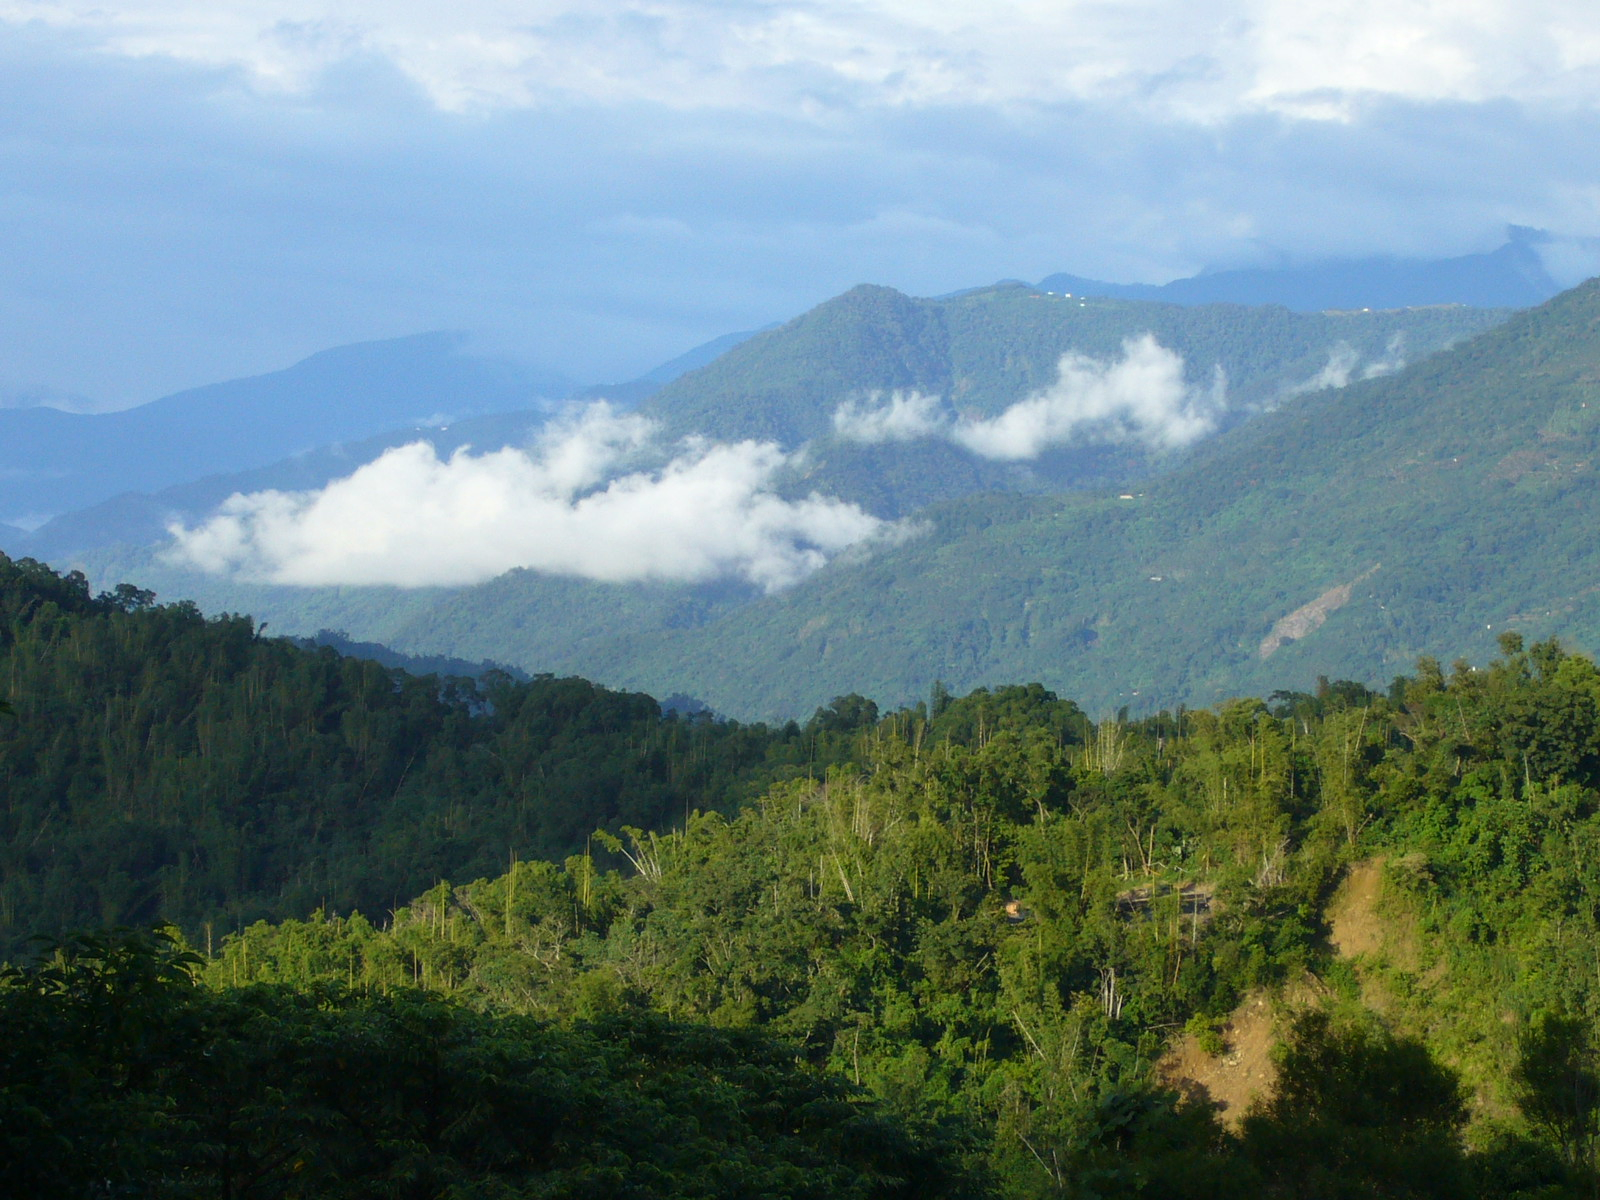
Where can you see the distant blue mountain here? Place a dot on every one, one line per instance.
(53, 461)
(137, 515)
(636, 391)
(1511, 277)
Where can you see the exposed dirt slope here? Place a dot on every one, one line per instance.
(1242, 1072)
(1245, 1070)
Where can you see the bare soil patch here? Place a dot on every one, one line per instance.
(1363, 922)
(1235, 1077)
(1353, 913)
(1308, 618)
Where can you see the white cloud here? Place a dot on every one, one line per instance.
(1197, 59)
(1141, 397)
(582, 501)
(1394, 359)
(1344, 361)
(907, 415)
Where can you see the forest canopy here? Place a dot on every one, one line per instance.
(1016, 944)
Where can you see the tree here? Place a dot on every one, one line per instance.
(1557, 1084)
(1358, 1112)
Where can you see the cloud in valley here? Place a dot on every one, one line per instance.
(900, 418)
(595, 497)
(1141, 397)
(1344, 364)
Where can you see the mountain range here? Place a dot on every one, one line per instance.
(54, 462)
(1512, 276)
(1344, 512)
(982, 352)
(1345, 534)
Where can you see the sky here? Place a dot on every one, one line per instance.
(192, 191)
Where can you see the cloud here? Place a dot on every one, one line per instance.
(1394, 359)
(907, 415)
(194, 212)
(1344, 361)
(1201, 60)
(595, 497)
(1141, 397)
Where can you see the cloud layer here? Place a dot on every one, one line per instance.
(1344, 364)
(1141, 397)
(201, 191)
(1199, 60)
(592, 498)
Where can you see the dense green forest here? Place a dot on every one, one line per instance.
(160, 764)
(980, 944)
(1393, 518)
(981, 351)
(120, 1077)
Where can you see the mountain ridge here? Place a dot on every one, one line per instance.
(1511, 276)
(53, 461)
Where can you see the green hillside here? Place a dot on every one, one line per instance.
(978, 946)
(988, 348)
(154, 763)
(995, 917)
(858, 624)
(1418, 513)
(1450, 500)
(984, 350)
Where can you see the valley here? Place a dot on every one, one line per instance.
(1105, 823)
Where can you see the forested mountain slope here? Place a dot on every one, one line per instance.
(998, 914)
(988, 348)
(159, 764)
(975, 925)
(984, 350)
(977, 353)
(1345, 534)
(122, 1077)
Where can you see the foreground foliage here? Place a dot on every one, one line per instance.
(166, 765)
(1003, 913)
(988, 913)
(121, 1077)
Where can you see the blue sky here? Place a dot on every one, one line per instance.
(192, 191)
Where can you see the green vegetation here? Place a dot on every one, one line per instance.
(120, 1077)
(1425, 512)
(948, 949)
(960, 608)
(163, 764)
(988, 348)
(1448, 498)
(999, 914)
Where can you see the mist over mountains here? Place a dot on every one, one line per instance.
(881, 492)
(53, 461)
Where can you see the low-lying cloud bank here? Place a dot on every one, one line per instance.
(1344, 364)
(596, 496)
(1141, 398)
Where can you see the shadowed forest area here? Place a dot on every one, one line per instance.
(440, 938)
